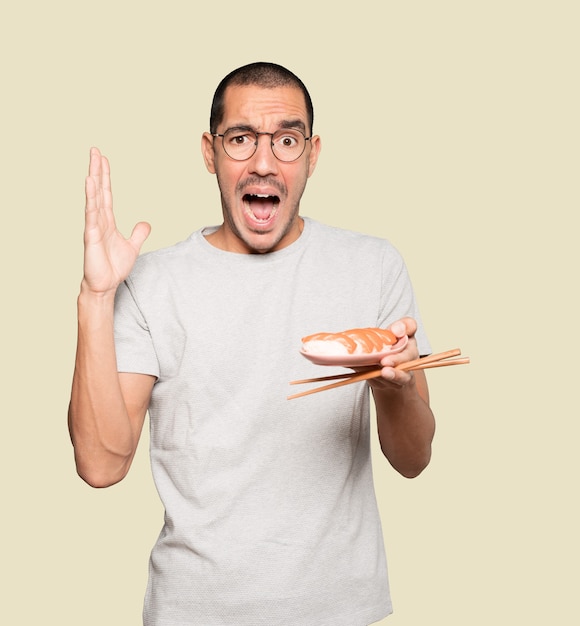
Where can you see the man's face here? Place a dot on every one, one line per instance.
(260, 196)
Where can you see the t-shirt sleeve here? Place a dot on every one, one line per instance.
(398, 297)
(133, 343)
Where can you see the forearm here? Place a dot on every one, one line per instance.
(100, 428)
(406, 426)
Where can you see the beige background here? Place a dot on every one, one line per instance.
(449, 127)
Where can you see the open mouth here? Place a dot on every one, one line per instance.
(261, 207)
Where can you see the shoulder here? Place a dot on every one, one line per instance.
(161, 270)
(154, 264)
(353, 243)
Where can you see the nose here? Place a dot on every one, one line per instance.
(263, 162)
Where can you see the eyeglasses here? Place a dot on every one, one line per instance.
(240, 144)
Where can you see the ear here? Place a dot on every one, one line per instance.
(208, 152)
(315, 147)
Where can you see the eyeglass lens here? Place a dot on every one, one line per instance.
(287, 144)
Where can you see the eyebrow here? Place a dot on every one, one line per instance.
(299, 124)
(283, 125)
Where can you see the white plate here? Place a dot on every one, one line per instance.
(355, 360)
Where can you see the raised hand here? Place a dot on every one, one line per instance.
(109, 256)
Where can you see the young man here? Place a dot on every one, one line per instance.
(271, 515)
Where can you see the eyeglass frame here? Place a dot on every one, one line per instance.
(258, 133)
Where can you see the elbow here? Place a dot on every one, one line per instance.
(99, 481)
(99, 467)
(412, 471)
(101, 475)
(410, 467)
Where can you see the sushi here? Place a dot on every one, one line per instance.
(356, 341)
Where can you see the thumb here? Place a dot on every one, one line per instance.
(404, 326)
(139, 234)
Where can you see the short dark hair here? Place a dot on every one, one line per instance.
(262, 74)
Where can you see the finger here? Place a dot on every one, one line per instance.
(90, 194)
(409, 353)
(139, 234)
(95, 163)
(404, 326)
(91, 205)
(389, 378)
(93, 181)
(396, 377)
(100, 172)
(107, 193)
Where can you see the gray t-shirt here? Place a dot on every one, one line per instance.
(271, 517)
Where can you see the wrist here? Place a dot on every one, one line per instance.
(89, 300)
(396, 395)
(87, 293)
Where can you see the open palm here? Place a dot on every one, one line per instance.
(109, 256)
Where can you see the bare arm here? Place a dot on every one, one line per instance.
(107, 409)
(406, 425)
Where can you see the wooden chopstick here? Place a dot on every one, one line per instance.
(352, 378)
(441, 359)
(334, 377)
(425, 366)
(432, 358)
(420, 363)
